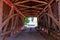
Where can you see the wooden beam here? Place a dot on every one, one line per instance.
(36, 8)
(29, 7)
(50, 10)
(16, 25)
(41, 2)
(45, 8)
(16, 0)
(56, 22)
(10, 13)
(30, 11)
(28, 15)
(53, 18)
(48, 20)
(12, 24)
(31, 0)
(20, 2)
(59, 12)
(7, 20)
(1, 13)
(26, 0)
(10, 4)
(34, 0)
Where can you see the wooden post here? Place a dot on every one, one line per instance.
(1, 13)
(48, 21)
(59, 11)
(48, 18)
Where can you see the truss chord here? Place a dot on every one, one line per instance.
(7, 17)
(10, 4)
(45, 8)
(32, 0)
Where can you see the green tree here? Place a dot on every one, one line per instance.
(26, 20)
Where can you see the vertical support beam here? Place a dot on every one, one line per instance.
(49, 12)
(53, 18)
(44, 21)
(59, 11)
(48, 21)
(12, 25)
(1, 13)
(9, 20)
(45, 8)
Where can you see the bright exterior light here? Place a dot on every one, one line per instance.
(30, 22)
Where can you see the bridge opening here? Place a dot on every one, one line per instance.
(30, 22)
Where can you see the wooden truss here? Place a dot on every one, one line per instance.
(19, 11)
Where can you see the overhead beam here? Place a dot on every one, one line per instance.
(1, 13)
(45, 8)
(10, 4)
(31, 0)
(41, 2)
(28, 15)
(26, 0)
(30, 11)
(20, 2)
(30, 7)
(23, 4)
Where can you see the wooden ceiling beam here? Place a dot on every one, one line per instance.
(30, 15)
(30, 11)
(10, 4)
(45, 8)
(37, 8)
(35, 5)
(26, 0)
(30, 0)
(35, 0)
(31, 7)
(41, 2)
(20, 2)
(23, 6)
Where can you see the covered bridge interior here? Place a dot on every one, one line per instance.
(14, 12)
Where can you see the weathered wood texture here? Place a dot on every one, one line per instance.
(59, 11)
(1, 13)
